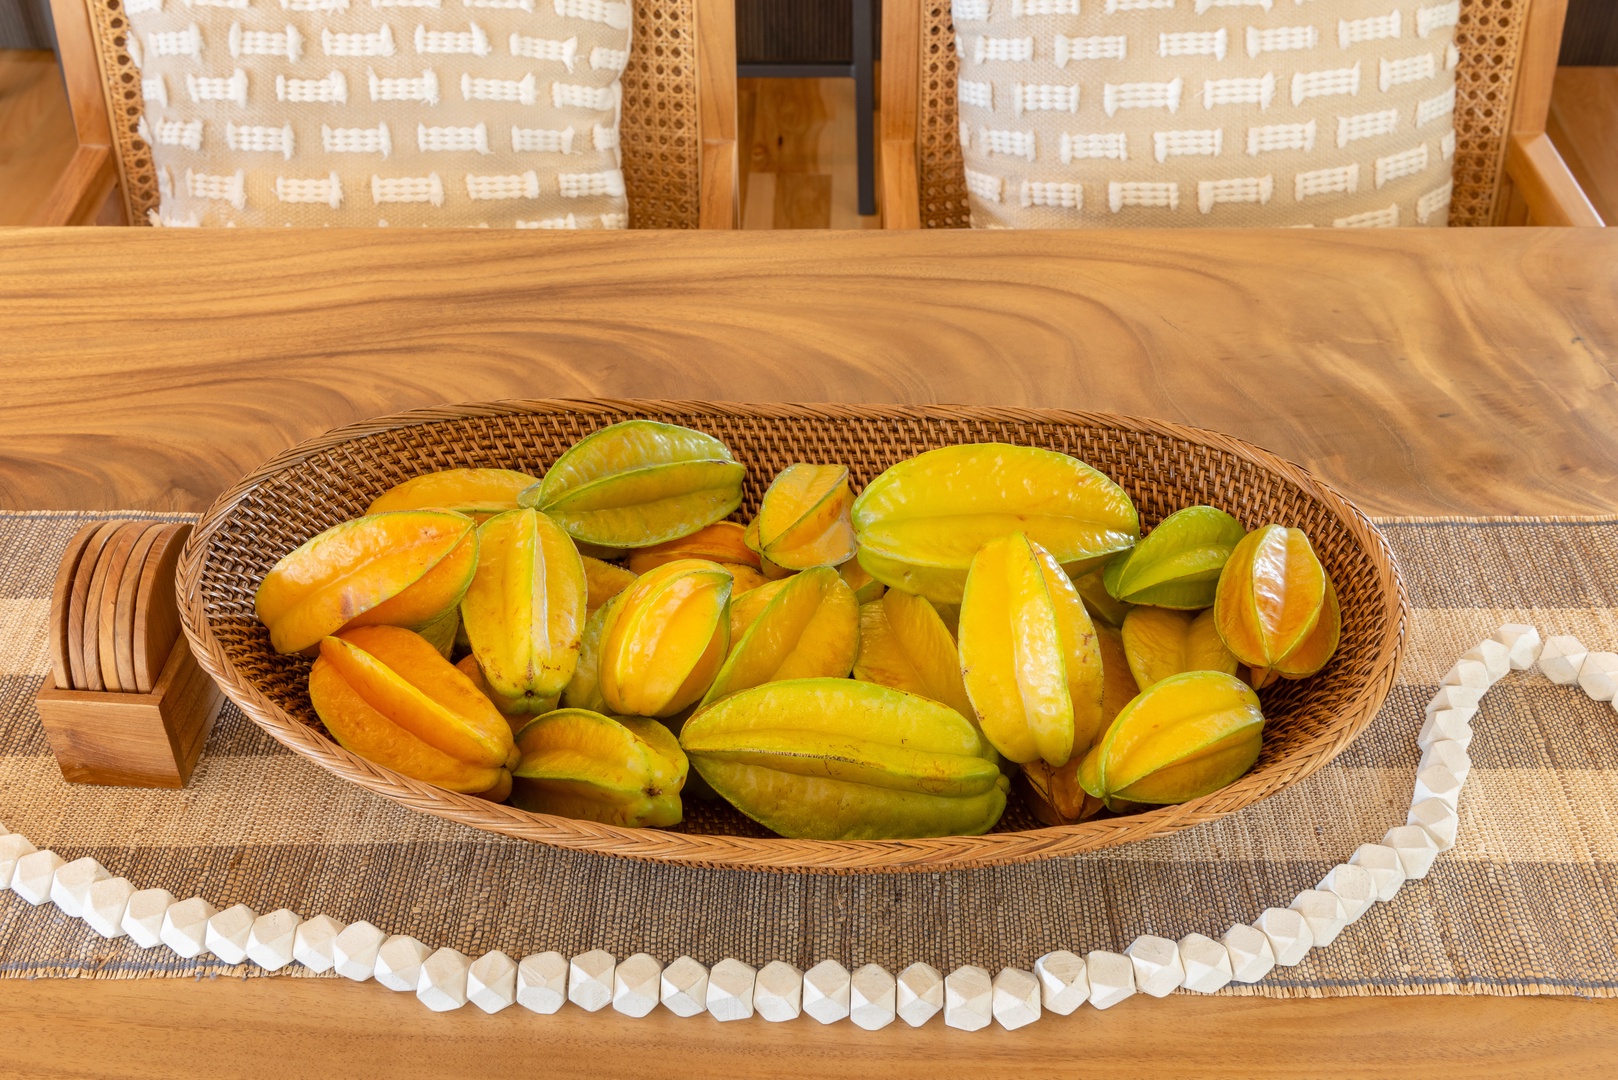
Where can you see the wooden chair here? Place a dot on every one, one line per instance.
(1506, 170)
(678, 130)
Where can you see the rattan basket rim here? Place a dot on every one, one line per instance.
(779, 854)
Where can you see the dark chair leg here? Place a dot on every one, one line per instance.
(865, 102)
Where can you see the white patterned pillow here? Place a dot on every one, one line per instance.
(498, 113)
(1108, 113)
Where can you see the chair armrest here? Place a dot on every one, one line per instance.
(81, 190)
(901, 96)
(1548, 188)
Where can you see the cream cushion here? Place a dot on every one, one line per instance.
(1109, 113)
(498, 113)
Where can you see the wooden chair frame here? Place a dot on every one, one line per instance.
(1533, 184)
(94, 187)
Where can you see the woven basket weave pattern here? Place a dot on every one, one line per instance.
(1163, 467)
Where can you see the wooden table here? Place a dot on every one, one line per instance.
(1423, 372)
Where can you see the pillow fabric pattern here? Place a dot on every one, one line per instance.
(1165, 113)
(494, 113)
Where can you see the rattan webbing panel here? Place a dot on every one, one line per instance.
(126, 105)
(1488, 37)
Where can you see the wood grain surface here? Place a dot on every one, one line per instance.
(1422, 371)
(1584, 125)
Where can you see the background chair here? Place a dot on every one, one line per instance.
(1506, 170)
(678, 130)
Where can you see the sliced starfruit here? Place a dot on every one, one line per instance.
(526, 607)
(1187, 736)
(809, 629)
(1270, 595)
(904, 644)
(920, 523)
(1177, 564)
(387, 695)
(803, 521)
(665, 638)
(405, 568)
(603, 581)
(478, 493)
(1054, 794)
(722, 542)
(1029, 656)
(866, 588)
(581, 764)
(839, 759)
(639, 483)
(1161, 642)
(1097, 600)
(1313, 652)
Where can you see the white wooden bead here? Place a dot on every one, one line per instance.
(1111, 976)
(542, 982)
(1598, 675)
(1206, 962)
(185, 926)
(1324, 913)
(919, 995)
(227, 933)
(491, 982)
(1437, 782)
(1561, 658)
(635, 984)
(1251, 955)
(1016, 998)
(685, 987)
(398, 963)
(1463, 699)
(312, 945)
(1416, 847)
(1063, 982)
(105, 905)
(873, 997)
(273, 938)
(34, 876)
(778, 991)
(1289, 934)
(825, 991)
(1438, 818)
(1353, 886)
(70, 886)
(1470, 674)
(354, 950)
(730, 990)
(1158, 970)
(968, 999)
(1446, 725)
(441, 981)
(589, 979)
(13, 846)
(1522, 644)
(1450, 754)
(1382, 862)
(143, 918)
(1495, 658)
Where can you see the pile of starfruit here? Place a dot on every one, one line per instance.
(839, 667)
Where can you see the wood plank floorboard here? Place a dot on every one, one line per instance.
(36, 131)
(1584, 126)
(799, 162)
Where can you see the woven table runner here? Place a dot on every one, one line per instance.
(1527, 902)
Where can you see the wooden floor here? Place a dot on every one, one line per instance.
(1584, 126)
(798, 155)
(36, 131)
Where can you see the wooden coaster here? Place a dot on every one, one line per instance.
(157, 610)
(61, 671)
(123, 618)
(114, 556)
(78, 598)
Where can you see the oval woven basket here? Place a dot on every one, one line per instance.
(1163, 466)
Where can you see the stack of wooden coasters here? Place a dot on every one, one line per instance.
(127, 704)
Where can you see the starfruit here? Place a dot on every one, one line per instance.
(388, 696)
(838, 759)
(583, 691)
(581, 764)
(1161, 642)
(526, 607)
(920, 523)
(866, 588)
(1313, 652)
(603, 581)
(743, 577)
(809, 629)
(721, 542)
(1187, 736)
(904, 644)
(1054, 794)
(664, 638)
(1270, 595)
(639, 483)
(803, 520)
(1029, 655)
(747, 606)
(1097, 600)
(517, 711)
(443, 632)
(1177, 564)
(478, 493)
(406, 568)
